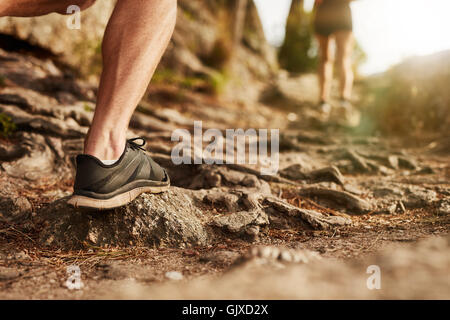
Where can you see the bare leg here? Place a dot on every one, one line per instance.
(325, 67)
(344, 44)
(135, 40)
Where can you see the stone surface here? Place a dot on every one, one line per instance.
(268, 254)
(168, 219)
(444, 207)
(51, 31)
(14, 209)
(39, 161)
(344, 199)
(240, 221)
(177, 218)
(174, 275)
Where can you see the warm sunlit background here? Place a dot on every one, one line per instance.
(387, 30)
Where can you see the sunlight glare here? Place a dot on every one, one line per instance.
(387, 30)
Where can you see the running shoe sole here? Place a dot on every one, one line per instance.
(119, 200)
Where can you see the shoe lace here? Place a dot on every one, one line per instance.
(134, 145)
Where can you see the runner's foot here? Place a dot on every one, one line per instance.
(324, 107)
(347, 115)
(345, 104)
(101, 186)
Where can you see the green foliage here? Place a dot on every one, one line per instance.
(188, 15)
(299, 51)
(359, 57)
(169, 76)
(218, 82)
(164, 75)
(410, 99)
(87, 108)
(211, 83)
(88, 54)
(7, 126)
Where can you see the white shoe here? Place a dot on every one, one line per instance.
(324, 108)
(348, 115)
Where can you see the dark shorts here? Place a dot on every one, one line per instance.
(332, 16)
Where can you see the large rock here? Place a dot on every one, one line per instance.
(38, 161)
(177, 218)
(51, 31)
(197, 36)
(13, 209)
(151, 220)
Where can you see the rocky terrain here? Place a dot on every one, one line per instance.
(339, 196)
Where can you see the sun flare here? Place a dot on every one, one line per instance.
(387, 30)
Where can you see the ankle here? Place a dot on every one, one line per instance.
(105, 146)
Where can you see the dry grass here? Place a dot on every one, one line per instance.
(304, 203)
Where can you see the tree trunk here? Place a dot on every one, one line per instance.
(297, 5)
(239, 21)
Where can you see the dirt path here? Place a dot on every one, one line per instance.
(338, 196)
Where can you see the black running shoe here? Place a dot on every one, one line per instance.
(101, 186)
